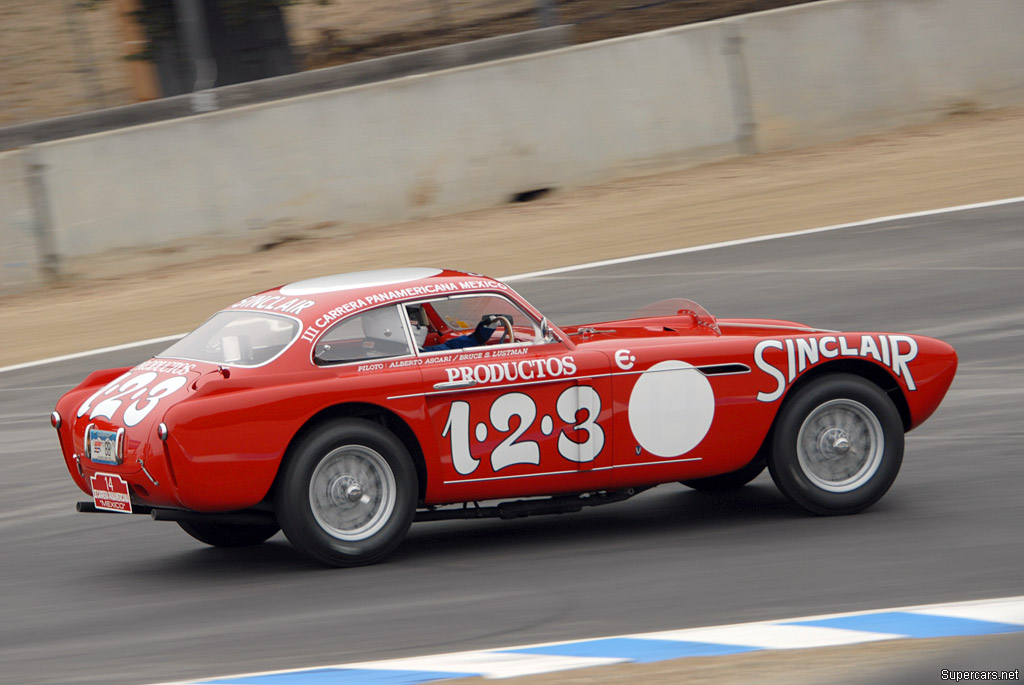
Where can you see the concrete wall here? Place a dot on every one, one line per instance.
(474, 136)
(409, 147)
(837, 69)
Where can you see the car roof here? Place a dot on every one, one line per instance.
(338, 295)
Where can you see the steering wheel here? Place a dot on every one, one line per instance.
(506, 324)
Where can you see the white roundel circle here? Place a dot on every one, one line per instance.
(671, 408)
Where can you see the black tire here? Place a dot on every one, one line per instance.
(229, 534)
(349, 493)
(838, 445)
(729, 481)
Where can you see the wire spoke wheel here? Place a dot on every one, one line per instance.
(349, 493)
(837, 445)
(840, 445)
(352, 493)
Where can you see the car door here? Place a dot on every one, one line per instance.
(687, 409)
(526, 417)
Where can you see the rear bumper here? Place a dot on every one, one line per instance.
(245, 517)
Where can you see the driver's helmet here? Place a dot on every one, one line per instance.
(417, 321)
(383, 324)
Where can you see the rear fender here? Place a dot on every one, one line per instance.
(67, 407)
(385, 417)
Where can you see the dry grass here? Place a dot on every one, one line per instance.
(44, 73)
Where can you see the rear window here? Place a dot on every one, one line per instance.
(237, 339)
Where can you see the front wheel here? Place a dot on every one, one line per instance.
(838, 445)
(349, 493)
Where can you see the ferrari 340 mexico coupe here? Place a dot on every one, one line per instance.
(341, 409)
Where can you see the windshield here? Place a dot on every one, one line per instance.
(237, 339)
(678, 307)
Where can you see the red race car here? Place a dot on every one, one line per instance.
(341, 409)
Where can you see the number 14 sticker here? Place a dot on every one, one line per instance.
(512, 450)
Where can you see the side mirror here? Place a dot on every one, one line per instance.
(545, 330)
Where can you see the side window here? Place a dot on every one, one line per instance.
(455, 323)
(369, 335)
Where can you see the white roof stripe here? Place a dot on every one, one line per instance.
(357, 279)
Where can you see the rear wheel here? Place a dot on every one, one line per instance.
(229, 534)
(349, 493)
(838, 445)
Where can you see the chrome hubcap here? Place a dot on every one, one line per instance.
(834, 442)
(840, 445)
(345, 489)
(352, 493)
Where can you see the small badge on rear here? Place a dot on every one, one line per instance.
(110, 493)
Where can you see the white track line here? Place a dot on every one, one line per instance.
(1003, 615)
(593, 265)
(79, 355)
(758, 239)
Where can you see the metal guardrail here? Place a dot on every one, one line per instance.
(281, 87)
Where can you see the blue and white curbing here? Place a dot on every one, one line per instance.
(960, 619)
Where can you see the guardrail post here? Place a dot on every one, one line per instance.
(547, 14)
(42, 221)
(144, 78)
(197, 44)
(739, 87)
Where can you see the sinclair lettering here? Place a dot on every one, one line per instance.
(895, 351)
(276, 303)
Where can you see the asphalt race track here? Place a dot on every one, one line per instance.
(118, 600)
